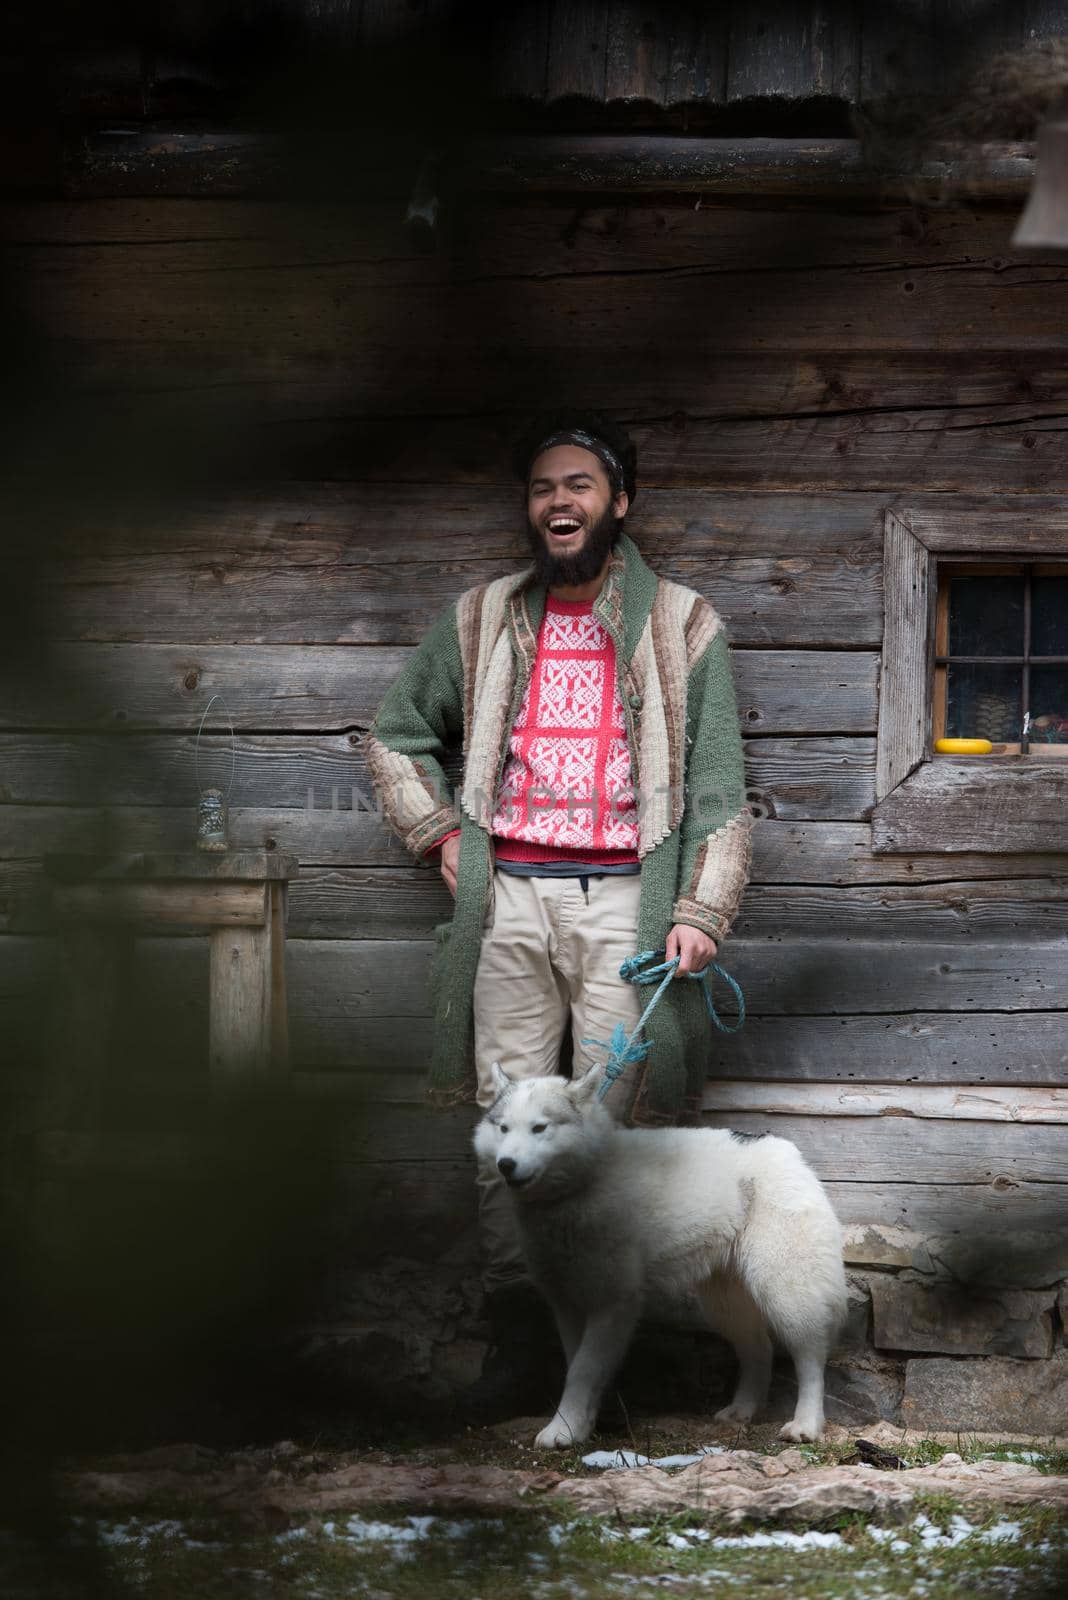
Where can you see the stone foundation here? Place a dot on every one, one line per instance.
(923, 1345)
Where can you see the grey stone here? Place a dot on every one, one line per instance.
(861, 1390)
(867, 1244)
(855, 1332)
(960, 1319)
(987, 1393)
(1023, 1259)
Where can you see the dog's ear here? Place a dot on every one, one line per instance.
(499, 1078)
(582, 1090)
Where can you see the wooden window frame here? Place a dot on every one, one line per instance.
(925, 802)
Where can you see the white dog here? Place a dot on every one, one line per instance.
(612, 1218)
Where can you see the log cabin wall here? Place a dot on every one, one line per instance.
(790, 371)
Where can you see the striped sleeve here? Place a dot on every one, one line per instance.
(420, 717)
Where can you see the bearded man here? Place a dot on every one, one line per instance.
(601, 813)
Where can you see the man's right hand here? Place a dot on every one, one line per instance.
(450, 861)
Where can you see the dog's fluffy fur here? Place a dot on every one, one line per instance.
(612, 1219)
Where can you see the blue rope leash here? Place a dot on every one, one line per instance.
(623, 1049)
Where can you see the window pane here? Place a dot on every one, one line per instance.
(1049, 706)
(1049, 617)
(986, 616)
(983, 703)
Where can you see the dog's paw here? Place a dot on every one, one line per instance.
(734, 1415)
(799, 1432)
(558, 1435)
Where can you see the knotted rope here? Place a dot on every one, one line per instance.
(624, 1049)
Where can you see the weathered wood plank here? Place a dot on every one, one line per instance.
(807, 600)
(784, 852)
(977, 804)
(840, 1149)
(840, 852)
(337, 983)
(338, 986)
(432, 1202)
(827, 977)
(768, 1096)
(904, 693)
(792, 51)
(983, 1049)
(979, 1212)
(497, 238)
(316, 525)
(901, 49)
(666, 54)
(659, 164)
(147, 686)
(942, 448)
(577, 38)
(334, 902)
(892, 1150)
(334, 310)
(840, 413)
(348, 997)
(519, 55)
(818, 777)
(1019, 527)
(944, 1103)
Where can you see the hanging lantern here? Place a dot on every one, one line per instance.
(1044, 223)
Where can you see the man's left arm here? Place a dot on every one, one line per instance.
(716, 823)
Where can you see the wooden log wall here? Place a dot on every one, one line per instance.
(789, 373)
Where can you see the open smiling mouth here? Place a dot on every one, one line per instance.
(563, 527)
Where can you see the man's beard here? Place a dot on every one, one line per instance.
(569, 571)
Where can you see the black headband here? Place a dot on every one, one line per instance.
(604, 452)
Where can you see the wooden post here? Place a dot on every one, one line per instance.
(241, 1002)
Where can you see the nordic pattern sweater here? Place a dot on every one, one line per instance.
(566, 793)
(467, 681)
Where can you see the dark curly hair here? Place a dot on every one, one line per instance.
(572, 419)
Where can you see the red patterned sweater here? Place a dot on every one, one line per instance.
(565, 791)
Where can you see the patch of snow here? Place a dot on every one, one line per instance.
(782, 1537)
(1014, 1455)
(617, 1460)
(612, 1460)
(1008, 1531)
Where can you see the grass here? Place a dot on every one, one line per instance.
(528, 1554)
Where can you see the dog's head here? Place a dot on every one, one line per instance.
(541, 1134)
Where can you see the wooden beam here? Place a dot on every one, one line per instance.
(732, 166)
(183, 905)
(177, 162)
(971, 1103)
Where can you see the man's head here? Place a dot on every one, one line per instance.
(579, 471)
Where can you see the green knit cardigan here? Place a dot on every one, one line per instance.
(465, 682)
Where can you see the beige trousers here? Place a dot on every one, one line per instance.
(551, 949)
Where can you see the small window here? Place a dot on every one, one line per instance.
(1001, 656)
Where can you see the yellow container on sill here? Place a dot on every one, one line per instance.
(963, 747)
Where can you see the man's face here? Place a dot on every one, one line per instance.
(573, 514)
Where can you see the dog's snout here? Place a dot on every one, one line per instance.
(506, 1166)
